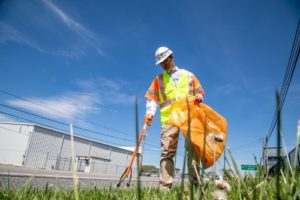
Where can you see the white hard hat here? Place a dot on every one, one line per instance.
(161, 54)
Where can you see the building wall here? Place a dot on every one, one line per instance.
(43, 148)
(295, 161)
(103, 154)
(101, 150)
(40, 147)
(13, 142)
(81, 146)
(119, 161)
(270, 157)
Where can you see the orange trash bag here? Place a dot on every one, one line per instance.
(208, 129)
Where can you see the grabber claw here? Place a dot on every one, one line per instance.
(128, 169)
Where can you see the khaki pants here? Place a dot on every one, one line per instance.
(169, 141)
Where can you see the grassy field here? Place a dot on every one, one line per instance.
(249, 187)
(284, 184)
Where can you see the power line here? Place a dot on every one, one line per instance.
(292, 63)
(29, 113)
(84, 129)
(52, 120)
(60, 112)
(89, 137)
(52, 127)
(56, 121)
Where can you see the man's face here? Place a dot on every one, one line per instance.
(167, 64)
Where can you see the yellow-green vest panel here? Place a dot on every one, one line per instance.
(169, 93)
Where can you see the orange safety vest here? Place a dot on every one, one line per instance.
(164, 91)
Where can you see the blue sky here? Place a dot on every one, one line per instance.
(85, 61)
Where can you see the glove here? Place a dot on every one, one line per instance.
(200, 97)
(148, 119)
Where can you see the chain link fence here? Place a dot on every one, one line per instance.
(84, 164)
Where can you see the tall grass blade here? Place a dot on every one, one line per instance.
(286, 154)
(180, 196)
(75, 178)
(236, 169)
(137, 157)
(190, 153)
(243, 189)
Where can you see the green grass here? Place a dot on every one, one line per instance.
(258, 188)
(31, 193)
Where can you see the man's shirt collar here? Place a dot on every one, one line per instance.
(175, 69)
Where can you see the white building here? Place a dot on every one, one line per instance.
(36, 146)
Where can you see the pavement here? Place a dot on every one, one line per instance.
(13, 177)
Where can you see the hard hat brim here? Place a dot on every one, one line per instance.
(164, 57)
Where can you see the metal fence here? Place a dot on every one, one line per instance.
(56, 162)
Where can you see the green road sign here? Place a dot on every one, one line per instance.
(249, 167)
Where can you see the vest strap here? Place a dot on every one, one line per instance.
(197, 90)
(162, 87)
(150, 91)
(168, 102)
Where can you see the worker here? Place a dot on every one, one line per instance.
(174, 83)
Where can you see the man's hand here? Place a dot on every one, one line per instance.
(200, 97)
(148, 119)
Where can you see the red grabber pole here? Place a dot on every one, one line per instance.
(128, 169)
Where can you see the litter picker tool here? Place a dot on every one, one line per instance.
(128, 170)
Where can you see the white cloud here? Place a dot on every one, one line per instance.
(100, 94)
(9, 34)
(74, 51)
(87, 35)
(76, 105)
(103, 83)
(109, 91)
(86, 84)
(69, 38)
(118, 98)
(226, 89)
(5, 118)
(114, 85)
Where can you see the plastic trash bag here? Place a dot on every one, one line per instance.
(208, 129)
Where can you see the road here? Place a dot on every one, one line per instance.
(17, 177)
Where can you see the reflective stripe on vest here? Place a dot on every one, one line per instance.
(152, 92)
(169, 93)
